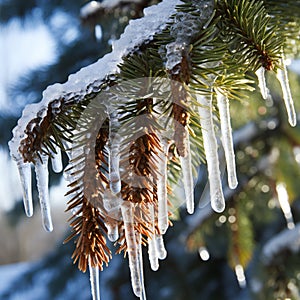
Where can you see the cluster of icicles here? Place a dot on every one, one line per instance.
(156, 249)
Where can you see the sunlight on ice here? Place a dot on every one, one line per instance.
(94, 279)
(240, 275)
(282, 77)
(186, 167)
(204, 254)
(42, 177)
(132, 248)
(283, 199)
(211, 153)
(152, 251)
(260, 73)
(223, 105)
(162, 198)
(25, 176)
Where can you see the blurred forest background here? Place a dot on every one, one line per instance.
(42, 42)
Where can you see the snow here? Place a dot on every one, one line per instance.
(287, 239)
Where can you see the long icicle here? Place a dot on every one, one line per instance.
(42, 176)
(152, 251)
(132, 247)
(223, 105)
(141, 267)
(260, 73)
(94, 279)
(114, 156)
(25, 176)
(282, 77)
(162, 197)
(211, 153)
(186, 167)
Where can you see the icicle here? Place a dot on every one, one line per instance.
(283, 199)
(240, 275)
(41, 170)
(114, 156)
(25, 176)
(260, 73)
(160, 247)
(223, 105)
(211, 152)
(162, 197)
(282, 77)
(186, 167)
(152, 251)
(132, 247)
(56, 160)
(141, 269)
(204, 254)
(94, 279)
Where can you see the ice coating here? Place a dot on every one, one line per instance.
(25, 177)
(240, 275)
(112, 231)
(141, 267)
(282, 77)
(162, 197)
(186, 167)
(226, 131)
(94, 280)
(185, 26)
(211, 152)
(42, 177)
(260, 73)
(91, 78)
(132, 247)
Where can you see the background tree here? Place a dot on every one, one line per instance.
(245, 234)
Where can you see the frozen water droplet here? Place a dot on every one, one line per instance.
(94, 280)
(227, 142)
(112, 231)
(211, 153)
(162, 197)
(132, 247)
(42, 177)
(161, 250)
(56, 160)
(186, 167)
(25, 176)
(260, 73)
(282, 77)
